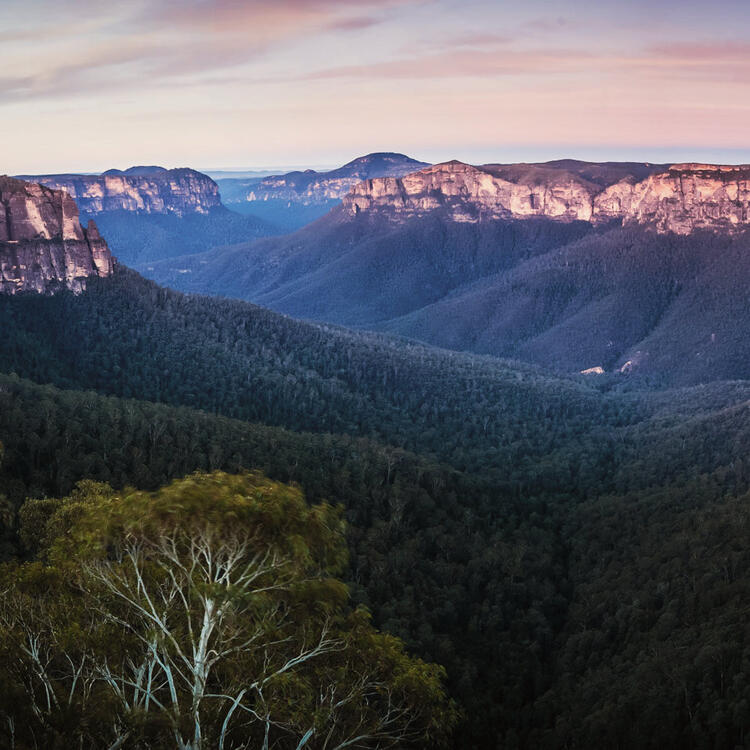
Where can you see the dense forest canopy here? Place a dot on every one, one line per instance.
(572, 551)
(127, 337)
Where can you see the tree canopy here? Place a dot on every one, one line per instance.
(206, 614)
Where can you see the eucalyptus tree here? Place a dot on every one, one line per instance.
(204, 615)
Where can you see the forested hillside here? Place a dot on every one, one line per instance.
(670, 306)
(363, 270)
(568, 296)
(142, 238)
(127, 337)
(556, 544)
(493, 584)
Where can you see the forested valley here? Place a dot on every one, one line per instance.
(571, 551)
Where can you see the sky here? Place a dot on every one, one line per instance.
(86, 85)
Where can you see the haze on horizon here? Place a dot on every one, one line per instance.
(227, 84)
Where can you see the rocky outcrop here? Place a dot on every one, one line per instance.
(310, 187)
(683, 198)
(679, 198)
(43, 247)
(151, 190)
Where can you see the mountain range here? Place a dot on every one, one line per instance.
(150, 213)
(144, 190)
(294, 199)
(572, 265)
(571, 549)
(679, 198)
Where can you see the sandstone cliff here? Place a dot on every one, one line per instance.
(683, 198)
(139, 189)
(680, 198)
(43, 247)
(310, 187)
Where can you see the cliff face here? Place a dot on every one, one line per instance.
(139, 189)
(683, 198)
(311, 187)
(43, 247)
(680, 198)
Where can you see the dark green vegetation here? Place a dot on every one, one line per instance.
(573, 552)
(140, 237)
(568, 297)
(671, 305)
(204, 615)
(127, 337)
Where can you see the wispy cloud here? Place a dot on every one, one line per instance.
(467, 63)
(354, 23)
(476, 39)
(283, 74)
(487, 56)
(167, 40)
(556, 24)
(701, 52)
(260, 17)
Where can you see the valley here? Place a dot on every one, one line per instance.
(496, 510)
(568, 265)
(508, 517)
(374, 375)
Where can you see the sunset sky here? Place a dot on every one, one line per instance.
(87, 85)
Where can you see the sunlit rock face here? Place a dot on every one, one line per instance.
(686, 197)
(680, 198)
(43, 247)
(152, 190)
(309, 187)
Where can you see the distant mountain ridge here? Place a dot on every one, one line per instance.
(309, 186)
(295, 198)
(679, 198)
(43, 247)
(150, 212)
(572, 265)
(152, 171)
(150, 190)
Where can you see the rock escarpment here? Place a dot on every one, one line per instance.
(680, 198)
(43, 247)
(151, 190)
(684, 198)
(310, 187)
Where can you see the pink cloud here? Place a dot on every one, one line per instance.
(467, 63)
(489, 55)
(354, 24)
(476, 39)
(170, 41)
(702, 52)
(232, 16)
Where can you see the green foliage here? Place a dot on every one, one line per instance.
(415, 527)
(87, 522)
(202, 615)
(7, 518)
(572, 553)
(247, 363)
(43, 520)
